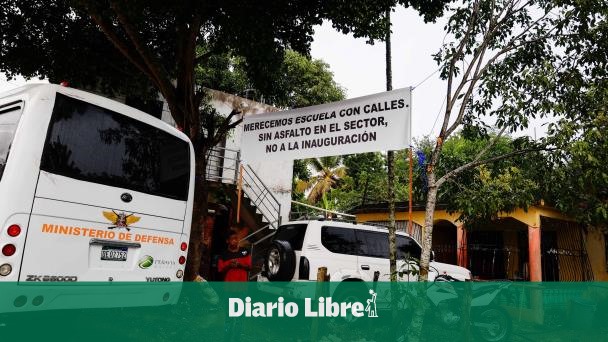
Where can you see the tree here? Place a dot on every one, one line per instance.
(305, 82)
(300, 80)
(368, 173)
(328, 172)
(480, 194)
(503, 59)
(580, 166)
(119, 46)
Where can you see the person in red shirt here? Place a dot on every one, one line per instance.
(235, 263)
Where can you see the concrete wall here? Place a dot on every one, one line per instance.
(277, 176)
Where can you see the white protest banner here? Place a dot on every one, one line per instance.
(364, 124)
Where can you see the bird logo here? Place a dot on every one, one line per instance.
(120, 220)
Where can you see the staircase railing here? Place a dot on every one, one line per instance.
(260, 196)
(224, 166)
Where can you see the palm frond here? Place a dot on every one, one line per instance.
(302, 185)
(316, 164)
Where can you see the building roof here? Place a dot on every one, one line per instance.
(382, 207)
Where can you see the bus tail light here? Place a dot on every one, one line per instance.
(182, 260)
(5, 270)
(184, 246)
(14, 230)
(9, 250)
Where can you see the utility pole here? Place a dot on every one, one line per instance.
(390, 159)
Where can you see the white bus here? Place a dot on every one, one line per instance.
(91, 190)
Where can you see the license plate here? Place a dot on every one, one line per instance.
(114, 253)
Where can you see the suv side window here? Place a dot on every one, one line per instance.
(375, 244)
(407, 247)
(339, 240)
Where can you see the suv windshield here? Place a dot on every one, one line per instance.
(9, 118)
(292, 233)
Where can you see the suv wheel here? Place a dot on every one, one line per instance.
(280, 261)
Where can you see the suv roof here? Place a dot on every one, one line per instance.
(344, 224)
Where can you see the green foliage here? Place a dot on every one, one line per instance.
(489, 194)
(58, 38)
(478, 194)
(328, 173)
(365, 181)
(305, 82)
(300, 173)
(224, 72)
(580, 170)
(300, 81)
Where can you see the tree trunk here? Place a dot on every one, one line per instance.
(421, 305)
(427, 238)
(199, 213)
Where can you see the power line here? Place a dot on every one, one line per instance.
(424, 80)
(437, 117)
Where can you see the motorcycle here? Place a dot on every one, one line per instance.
(488, 321)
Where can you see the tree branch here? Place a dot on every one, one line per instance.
(490, 144)
(454, 58)
(118, 43)
(226, 126)
(156, 70)
(204, 56)
(466, 97)
(478, 57)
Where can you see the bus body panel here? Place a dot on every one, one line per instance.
(80, 230)
(60, 188)
(18, 182)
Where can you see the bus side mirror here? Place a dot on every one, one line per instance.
(432, 255)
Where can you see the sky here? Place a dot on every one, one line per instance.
(360, 67)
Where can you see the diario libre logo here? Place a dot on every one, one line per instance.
(120, 220)
(322, 307)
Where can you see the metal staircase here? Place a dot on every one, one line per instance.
(224, 166)
(259, 206)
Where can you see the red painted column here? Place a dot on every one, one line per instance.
(534, 255)
(461, 246)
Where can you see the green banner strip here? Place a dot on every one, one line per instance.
(305, 311)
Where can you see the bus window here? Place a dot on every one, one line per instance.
(94, 144)
(9, 118)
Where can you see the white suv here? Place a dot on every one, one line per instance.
(349, 251)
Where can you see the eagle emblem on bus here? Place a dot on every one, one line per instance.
(120, 220)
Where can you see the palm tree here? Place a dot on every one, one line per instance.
(327, 173)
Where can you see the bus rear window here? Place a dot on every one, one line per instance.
(93, 144)
(9, 118)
